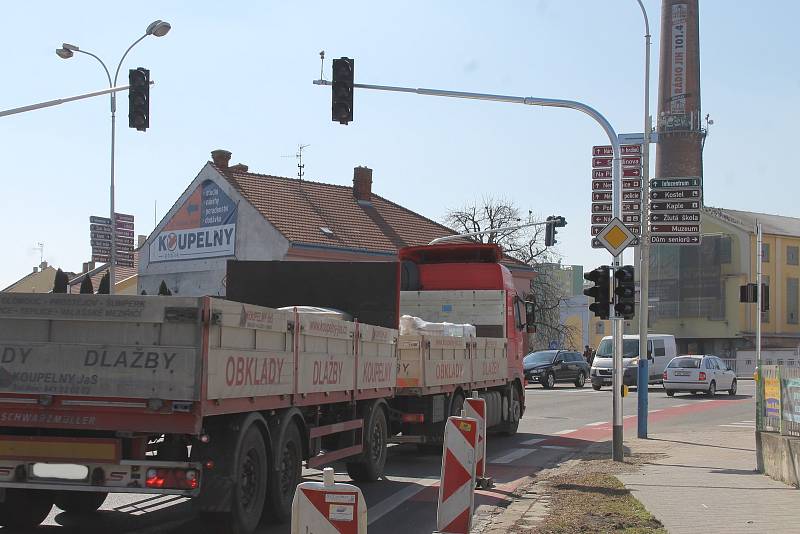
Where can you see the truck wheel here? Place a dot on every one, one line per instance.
(25, 508)
(286, 475)
(250, 475)
(510, 427)
(370, 467)
(457, 404)
(80, 502)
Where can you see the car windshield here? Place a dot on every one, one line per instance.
(543, 356)
(685, 363)
(630, 348)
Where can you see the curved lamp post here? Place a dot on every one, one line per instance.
(158, 28)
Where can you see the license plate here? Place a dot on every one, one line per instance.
(61, 471)
(681, 373)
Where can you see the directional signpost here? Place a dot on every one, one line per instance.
(675, 210)
(631, 187)
(100, 239)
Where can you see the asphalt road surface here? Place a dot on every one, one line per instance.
(557, 424)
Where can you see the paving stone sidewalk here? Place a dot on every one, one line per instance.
(707, 481)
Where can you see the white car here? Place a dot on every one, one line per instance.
(695, 373)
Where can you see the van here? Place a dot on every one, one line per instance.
(660, 350)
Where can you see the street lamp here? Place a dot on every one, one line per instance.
(157, 28)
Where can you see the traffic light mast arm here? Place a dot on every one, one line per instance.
(491, 231)
(59, 101)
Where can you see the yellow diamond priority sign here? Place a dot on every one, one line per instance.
(615, 237)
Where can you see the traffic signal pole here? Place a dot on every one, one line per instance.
(617, 449)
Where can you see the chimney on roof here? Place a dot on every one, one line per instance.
(221, 158)
(43, 265)
(239, 167)
(362, 184)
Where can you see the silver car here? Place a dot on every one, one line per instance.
(696, 373)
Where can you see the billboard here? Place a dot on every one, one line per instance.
(203, 227)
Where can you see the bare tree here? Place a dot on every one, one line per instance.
(525, 245)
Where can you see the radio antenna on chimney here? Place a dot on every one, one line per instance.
(40, 247)
(299, 156)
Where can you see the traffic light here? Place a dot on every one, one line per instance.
(601, 277)
(625, 291)
(139, 99)
(553, 222)
(342, 90)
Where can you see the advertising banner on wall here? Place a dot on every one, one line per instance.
(204, 227)
(790, 395)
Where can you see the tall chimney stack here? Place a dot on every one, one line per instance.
(680, 133)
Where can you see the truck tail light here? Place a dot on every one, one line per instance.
(172, 478)
(413, 418)
(702, 376)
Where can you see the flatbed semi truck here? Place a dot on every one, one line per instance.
(224, 400)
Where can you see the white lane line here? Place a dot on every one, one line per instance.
(654, 411)
(597, 423)
(561, 432)
(556, 447)
(628, 416)
(396, 499)
(749, 422)
(533, 441)
(512, 456)
(679, 405)
(163, 504)
(739, 426)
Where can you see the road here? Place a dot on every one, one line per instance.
(558, 423)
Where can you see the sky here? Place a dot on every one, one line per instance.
(238, 76)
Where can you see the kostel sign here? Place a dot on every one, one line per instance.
(675, 210)
(602, 187)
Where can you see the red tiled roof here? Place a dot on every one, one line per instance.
(300, 209)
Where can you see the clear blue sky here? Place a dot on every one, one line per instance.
(237, 75)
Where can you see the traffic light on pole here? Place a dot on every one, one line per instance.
(553, 222)
(139, 99)
(342, 90)
(625, 291)
(601, 277)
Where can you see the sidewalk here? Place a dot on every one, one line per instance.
(690, 481)
(708, 480)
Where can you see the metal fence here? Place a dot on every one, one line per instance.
(778, 399)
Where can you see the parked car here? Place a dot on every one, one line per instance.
(696, 373)
(550, 366)
(660, 350)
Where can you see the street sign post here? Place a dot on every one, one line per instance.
(675, 210)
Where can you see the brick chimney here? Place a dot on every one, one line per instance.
(221, 158)
(362, 184)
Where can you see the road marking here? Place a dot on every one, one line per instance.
(561, 432)
(532, 441)
(748, 422)
(679, 405)
(396, 499)
(556, 447)
(597, 423)
(654, 411)
(150, 504)
(512, 456)
(628, 416)
(736, 425)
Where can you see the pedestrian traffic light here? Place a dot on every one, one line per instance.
(139, 99)
(553, 222)
(625, 291)
(601, 277)
(342, 90)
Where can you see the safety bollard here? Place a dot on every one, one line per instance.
(328, 507)
(475, 407)
(457, 483)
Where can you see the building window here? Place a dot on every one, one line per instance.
(792, 297)
(748, 362)
(764, 252)
(780, 361)
(769, 362)
(600, 328)
(765, 315)
(790, 363)
(792, 254)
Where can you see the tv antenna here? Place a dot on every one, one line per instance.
(40, 247)
(299, 156)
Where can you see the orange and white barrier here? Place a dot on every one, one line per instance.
(475, 407)
(328, 507)
(457, 484)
